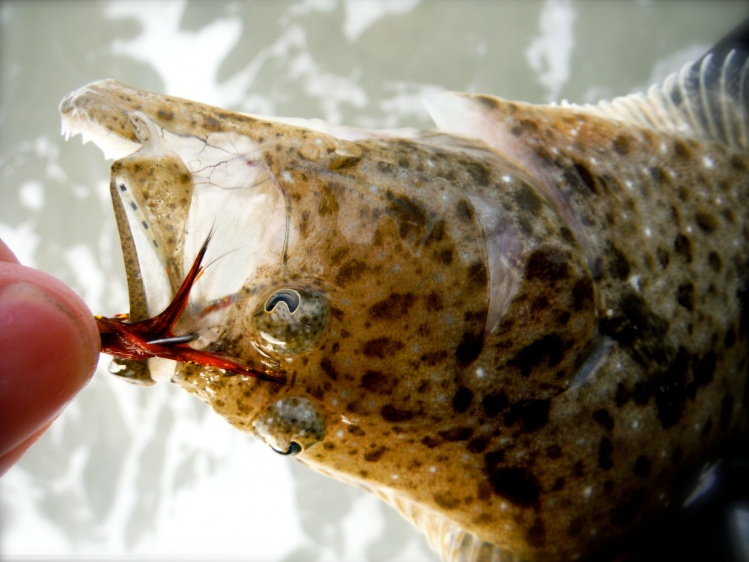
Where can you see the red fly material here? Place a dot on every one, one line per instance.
(155, 337)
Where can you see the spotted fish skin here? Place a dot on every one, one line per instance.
(528, 326)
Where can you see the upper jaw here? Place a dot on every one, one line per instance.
(95, 112)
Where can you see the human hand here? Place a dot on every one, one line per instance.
(49, 346)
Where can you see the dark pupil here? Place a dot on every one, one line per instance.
(291, 298)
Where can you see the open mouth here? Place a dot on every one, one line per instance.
(178, 177)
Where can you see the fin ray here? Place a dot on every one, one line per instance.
(706, 99)
(452, 542)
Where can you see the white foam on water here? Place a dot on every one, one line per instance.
(550, 54)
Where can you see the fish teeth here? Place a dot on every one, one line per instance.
(113, 146)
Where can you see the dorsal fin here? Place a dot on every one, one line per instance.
(707, 99)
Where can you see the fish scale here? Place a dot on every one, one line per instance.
(525, 330)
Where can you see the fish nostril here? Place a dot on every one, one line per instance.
(288, 296)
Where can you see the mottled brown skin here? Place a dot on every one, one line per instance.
(616, 370)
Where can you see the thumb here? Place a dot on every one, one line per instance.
(48, 351)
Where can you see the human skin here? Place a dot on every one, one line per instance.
(49, 346)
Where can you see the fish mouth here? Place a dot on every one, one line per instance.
(182, 172)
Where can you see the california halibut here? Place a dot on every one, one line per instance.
(525, 329)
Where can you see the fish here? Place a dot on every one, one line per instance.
(525, 329)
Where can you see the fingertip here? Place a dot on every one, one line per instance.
(48, 351)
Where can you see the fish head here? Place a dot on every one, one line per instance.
(355, 267)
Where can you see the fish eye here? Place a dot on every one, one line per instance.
(291, 320)
(288, 296)
(290, 425)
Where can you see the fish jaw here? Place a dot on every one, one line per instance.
(94, 112)
(174, 182)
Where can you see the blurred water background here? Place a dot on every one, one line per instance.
(134, 473)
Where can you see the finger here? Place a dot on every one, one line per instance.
(11, 457)
(6, 255)
(48, 350)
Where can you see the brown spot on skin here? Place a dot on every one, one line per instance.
(478, 445)
(490, 103)
(546, 265)
(527, 200)
(381, 347)
(685, 295)
(431, 442)
(464, 211)
(470, 347)
(683, 247)
(480, 173)
(395, 306)
(445, 257)
(477, 274)
(582, 293)
(517, 485)
(682, 150)
(411, 217)
(392, 414)
(619, 267)
(586, 176)
(604, 419)
(622, 145)
(434, 302)
(431, 359)
(456, 434)
(663, 256)
(328, 202)
(483, 491)
(462, 399)
(165, 115)
(658, 175)
(376, 382)
(350, 272)
(532, 414)
(707, 222)
(328, 369)
(375, 454)
(540, 303)
(495, 403)
(549, 349)
(637, 327)
(356, 430)
(605, 454)
(445, 501)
